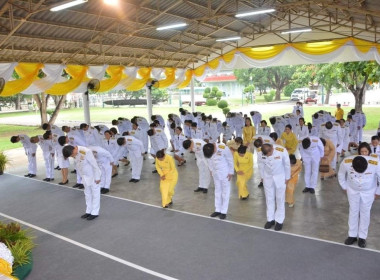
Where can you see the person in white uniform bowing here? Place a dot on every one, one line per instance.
(90, 172)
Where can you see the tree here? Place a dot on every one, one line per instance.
(279, 77)
(356, 75)
(15, 99)
(42, 101)
(327, 76)
(255, 76)
(160, 95)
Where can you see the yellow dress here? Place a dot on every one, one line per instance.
(245, 164)
(279, 142)
(248, 133)
(291, 142)
(168, 169)
(339, 114)
(290, 187)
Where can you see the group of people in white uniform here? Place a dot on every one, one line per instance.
(98, 151)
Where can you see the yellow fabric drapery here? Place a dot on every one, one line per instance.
(28, 72)
(116, 73)
(138, 84)
(189, 74)
(263, 52)
(170, 78)
(320, 48)
(78, 75)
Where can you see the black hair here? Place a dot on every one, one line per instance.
(67, 151)
(160, 154)
(292, 159)
(316, 116)
(14, 139)
(329, 125)
(64, 127)
(288, 126)
(186, 144)
(359, 164)
(194, 124)
(46, 134)
(239, 140)
(179, 128)
(114, 122)
(150, 132)
(125, 133)
(62, 141)
(375, 137)
(82, 125)
(45, 126)
(120, 141)
(242, 149)
(272, 120)
(208, 150)
(173, 126)
(258, 143)
(113, 130)
(364, 145)
(224, 124)
(323, 141)
(274, 136)
(306, 143)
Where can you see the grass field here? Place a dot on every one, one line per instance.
(108, 113)
(7, 131)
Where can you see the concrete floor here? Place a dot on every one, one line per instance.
(323, 215)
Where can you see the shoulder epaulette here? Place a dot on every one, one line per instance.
(279, 149)
(221, 147)
(374, 162)
(315, 140)
(374, 155)
(82, 152)
(349, 160)
(259, 149)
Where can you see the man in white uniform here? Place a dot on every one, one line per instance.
(48, 152)
(136, 152)
(105, 161)
(196, 146)
(30, 152)
(276, 173)
(358, 177)
(90, 173)
(221, 164)
(311, 151)
(332, 132)
(256, 118)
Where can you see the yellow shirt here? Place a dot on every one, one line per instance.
(167, 167)
(291, 142)
(339, 113)
(248, 133)
(244, 163)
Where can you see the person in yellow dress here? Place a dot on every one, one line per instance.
(243, 164)
(290, 140)
(295, 169)
(339, 113)
(167, 170)
(249, 132)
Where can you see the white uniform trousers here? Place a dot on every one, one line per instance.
(360, 134)
(49, 165)
(239, 131)
(222, 195)
(275, 199)
(333, 162)
(92, 195)
(145, 140)
(32, 164)
(204, 173)
(360, 210)
(137, 163)
(311, 166)
(105, 179)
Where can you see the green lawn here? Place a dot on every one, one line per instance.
(7, 131)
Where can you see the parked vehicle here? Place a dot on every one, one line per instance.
(299, 94)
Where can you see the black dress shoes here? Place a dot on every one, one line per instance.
(63, 183)
(305, 190)
(76, 185)
(362, 243)
(91, 217)
(27, 175)
(312, 191)
(85, 216)
(268, 225)
(205, 190)
(80, 186)
(104, 191)
(350, 240)
(132, 180)
(32, 175)
(198, 190)
(261, 185)
(215, 214)
(222, 216)
(114, 175)
(73, 172)
(278, 227)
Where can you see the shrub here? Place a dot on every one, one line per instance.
(269, 97)
(289, 89)
(211, 102)
(207, 90)
(226, 110)
(222, 104)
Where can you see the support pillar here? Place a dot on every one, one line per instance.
(192, 95)
(149, 102)
(86, 108)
